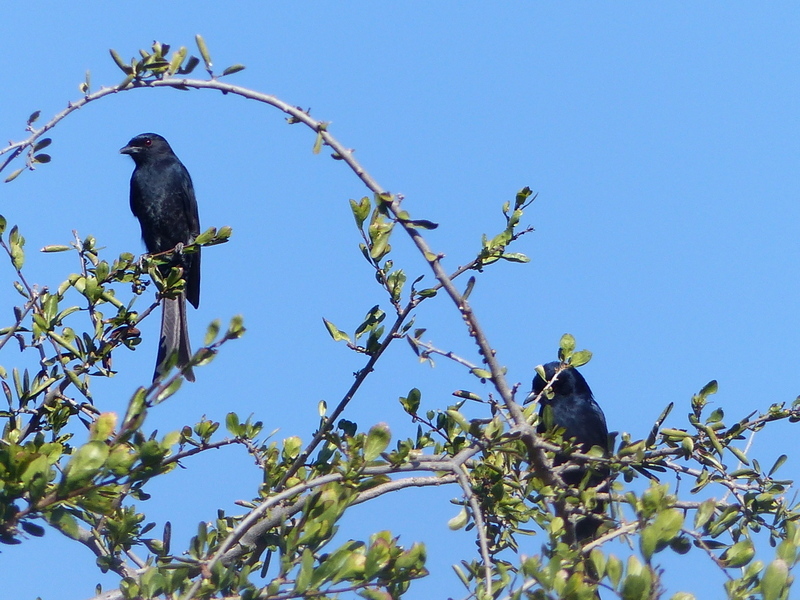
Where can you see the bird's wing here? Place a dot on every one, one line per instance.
(189, 209)
(189, 202)
(600, 432)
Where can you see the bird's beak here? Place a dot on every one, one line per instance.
(128, 150)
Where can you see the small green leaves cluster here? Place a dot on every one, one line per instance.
(378, 569)
(156, 63)
(371, 326)
(494, 249)
(297, 544)
(568, 355)
(71, 332)
(35, 156)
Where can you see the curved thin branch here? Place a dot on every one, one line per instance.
(477, 516)
(255, 516)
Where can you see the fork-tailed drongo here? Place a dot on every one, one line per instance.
(574, 409)
(162, 198)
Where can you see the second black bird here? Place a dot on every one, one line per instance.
(574, 409)
(162, 198)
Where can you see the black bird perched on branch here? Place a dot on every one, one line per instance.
(162, 198)
(573, 408)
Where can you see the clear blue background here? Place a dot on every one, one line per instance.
(662, 140)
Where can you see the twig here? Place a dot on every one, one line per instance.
(431, 349)
(253, 518)
(477, 516)
(360, 377)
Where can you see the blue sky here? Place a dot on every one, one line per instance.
(662, 139)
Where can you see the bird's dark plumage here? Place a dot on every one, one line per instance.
(162, 198)
(574, 409)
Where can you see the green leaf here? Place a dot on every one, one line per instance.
(236, 328)
(522, 196)
(709, 388)
(712, 437)
(494, 429)
(380, 245)
(378, 439)
(375, 594)
(704, 513)
(614, 570)
(16, 242)
(55, 248)
(778, 463)
(412, 559)
(124, 67)
(716, 416)
(787, 550)
(580, 358)
(467, 395)
(395, 282)
(177, 60)
(741, 455)
(212, 332)
(136, 409)
(317, 143)
(14, 175)
(337, 334)
(170, 390)
(739, 554)
(468, 290)
(232, 424)
(360, 210)
(657, 535)
(306, 571)
(516, 257)
(774, 580)
(205, 237)
(64, 522)
(637, 586)
(32, 529)
(458, 418)
(201, 45)
(599, 560)
(233, 69)
(103, 427)
(566, 345)
(482, 373)
(291, 448)
(460, 520)
(191, 64)
(85, 463)
(411, 403)
(348, 427)
(420, 223)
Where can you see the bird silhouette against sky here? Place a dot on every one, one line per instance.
(162, 198)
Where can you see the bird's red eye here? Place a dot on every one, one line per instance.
(148, 142)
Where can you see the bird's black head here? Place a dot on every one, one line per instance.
(146, 146)
(568, 383)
